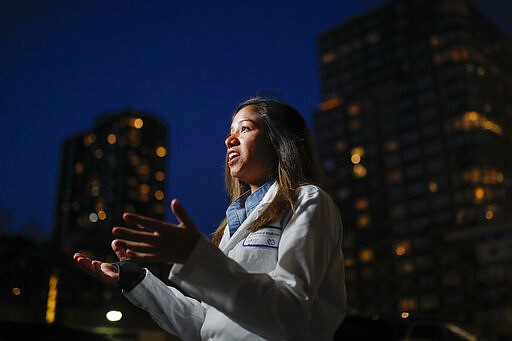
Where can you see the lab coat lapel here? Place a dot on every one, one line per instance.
(242, 232)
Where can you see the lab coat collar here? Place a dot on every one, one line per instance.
(242, 231)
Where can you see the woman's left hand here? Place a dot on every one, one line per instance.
(159, 240)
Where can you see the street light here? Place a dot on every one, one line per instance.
(114, 315)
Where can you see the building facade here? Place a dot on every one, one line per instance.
(414, 136)
(119, 165)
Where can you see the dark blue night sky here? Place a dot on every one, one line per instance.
(188, 62)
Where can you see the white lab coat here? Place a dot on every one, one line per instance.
(282, 282)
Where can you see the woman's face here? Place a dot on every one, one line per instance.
(250, 155)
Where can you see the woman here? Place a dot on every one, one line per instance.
(275, 267)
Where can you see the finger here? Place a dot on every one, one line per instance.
(134, 246)
(181, 214)
(141, 256)
(119, 249)
(131, 234)
(146, 222)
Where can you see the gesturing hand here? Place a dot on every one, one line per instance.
(158, 240)
(106, 272)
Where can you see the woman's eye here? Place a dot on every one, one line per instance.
(244, 129)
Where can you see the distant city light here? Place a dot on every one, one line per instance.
(161, 151)
(16, 291)
(51, 304)
(138, 123)
(405, 315)
(114, 315)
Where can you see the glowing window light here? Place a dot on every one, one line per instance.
(472, 120)
(159, 195)
(144, 188)
(79, 168)
(137, 123)
(143, 169)
(355, 159)
(93, 217)
(102, 215)
(160, 176)
(89, 139)
(366, 255)
(363, 221)
(405, 315)
(361, 204)
(111, 138)
(479, 193)
(114, 315)
(16, 291)
(354, 109)
(51, 303)
(331, 104)
(433, 187)
(359, 171)
(489, 214)
(357, 150)
(328, 58)
(161, 151)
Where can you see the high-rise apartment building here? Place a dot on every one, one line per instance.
(117, 166)
(414, 134)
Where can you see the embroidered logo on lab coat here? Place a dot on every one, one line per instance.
(267, 236)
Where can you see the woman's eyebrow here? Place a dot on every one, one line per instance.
(240, 122)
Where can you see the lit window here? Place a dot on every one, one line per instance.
(143, 169)
(79, 168)
(479, 193)
(161, 151)
(331, 104)
(16, 291)
(408, 304)
(472, 120)
(89, 139)
(432, 187)
(402, 248)
(363, 221)
(359, 171)
(349, 262)
(354, 109)
(361, 204)
(366, 255)
(159, 195)
(355, 159)
(435, 41)
(144, 188)
(102, 215)
(93, 217)
(137, 123)
(357, 150)
(489, 213)
(111, 138)
(160, 176)
(328, 58)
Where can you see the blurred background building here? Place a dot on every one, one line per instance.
(117, 166)
(414, 134)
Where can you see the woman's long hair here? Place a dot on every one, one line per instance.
(295, 161)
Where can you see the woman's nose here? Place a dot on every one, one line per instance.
(231, 140)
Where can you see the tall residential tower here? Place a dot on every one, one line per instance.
(415, 136)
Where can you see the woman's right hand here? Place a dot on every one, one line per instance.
(106, 272)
